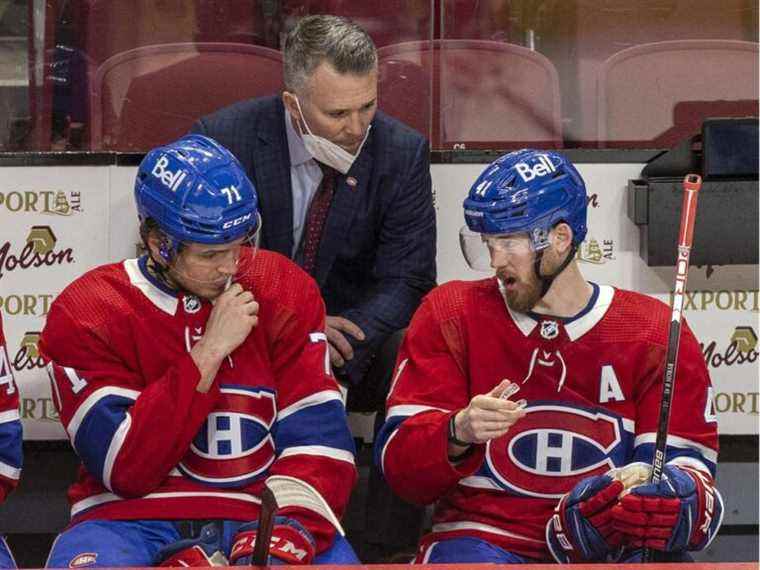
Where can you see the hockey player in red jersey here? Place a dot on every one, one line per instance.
(189, 377)
(526, 404)
(10, 438)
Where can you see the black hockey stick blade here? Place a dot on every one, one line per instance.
(266, 525)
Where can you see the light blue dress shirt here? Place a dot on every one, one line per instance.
(305, 177)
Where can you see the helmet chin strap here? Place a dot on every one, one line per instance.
(547, 280)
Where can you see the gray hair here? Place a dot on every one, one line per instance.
(339, 41)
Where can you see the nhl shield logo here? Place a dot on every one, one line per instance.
(549, 329)
(192, 304)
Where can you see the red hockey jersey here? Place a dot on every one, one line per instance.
(152, 447)
(593, 385)
(10, 424)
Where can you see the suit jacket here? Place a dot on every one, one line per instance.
(377, 255)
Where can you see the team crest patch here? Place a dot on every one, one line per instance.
(84, 559)
(192, 304)
(549, 329)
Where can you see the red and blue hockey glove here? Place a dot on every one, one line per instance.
(291, 543)
(681, 512)
(581, 528)
(204, 551)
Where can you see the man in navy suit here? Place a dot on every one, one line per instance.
(375, 258)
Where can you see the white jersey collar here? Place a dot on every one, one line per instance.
(161, 299)
(576, 327)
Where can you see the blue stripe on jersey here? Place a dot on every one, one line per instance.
(93, 438)
(383, 435)
(321, 424)
(645, 453)
(10, 443)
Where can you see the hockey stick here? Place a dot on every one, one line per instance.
(691, 185)
(266, 525)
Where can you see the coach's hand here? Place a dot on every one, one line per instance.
(581, 528)
(488, 416)
(336, 329)
(681, 512)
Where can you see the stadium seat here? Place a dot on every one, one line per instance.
(485, 94)
(150, 95)
(659, 92)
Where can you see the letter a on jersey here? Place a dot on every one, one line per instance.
(609, 387)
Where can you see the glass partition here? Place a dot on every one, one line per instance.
(127, 75)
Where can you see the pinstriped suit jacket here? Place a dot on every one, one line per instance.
(377, 256)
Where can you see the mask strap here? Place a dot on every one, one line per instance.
(303, 119)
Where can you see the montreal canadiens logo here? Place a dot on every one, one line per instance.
(234, 446)
(83, 560)
(552, 448)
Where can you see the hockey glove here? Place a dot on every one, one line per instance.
(204, 551)
(681, 512)
(581, 528)
(291, 544)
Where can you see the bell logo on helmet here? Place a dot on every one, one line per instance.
(236, 221)
(543, 168)
(170, 179)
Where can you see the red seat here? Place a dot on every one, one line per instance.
(658, 93)
(485, 94)
(151, 95)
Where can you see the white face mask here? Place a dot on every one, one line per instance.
(326, 151)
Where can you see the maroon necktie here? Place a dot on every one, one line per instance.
(316, 216)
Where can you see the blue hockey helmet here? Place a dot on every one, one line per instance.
(196, 191)
(526, 191)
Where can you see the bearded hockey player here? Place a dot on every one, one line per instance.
(10, 438)
(526, 404)
(188, 377)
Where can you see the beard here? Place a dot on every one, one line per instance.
(521, 294)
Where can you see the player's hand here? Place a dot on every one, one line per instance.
(234, 315)
(291, 544)
(336, 329)
(581, 528)
(681, 512)
(488, 416)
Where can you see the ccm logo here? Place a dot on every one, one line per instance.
(170, 179)
(236, 221)
(543, 167)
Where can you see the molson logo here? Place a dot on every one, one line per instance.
(741, 349)
(39, 251)
(596, 252)
(28, 355)
(53, 202)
